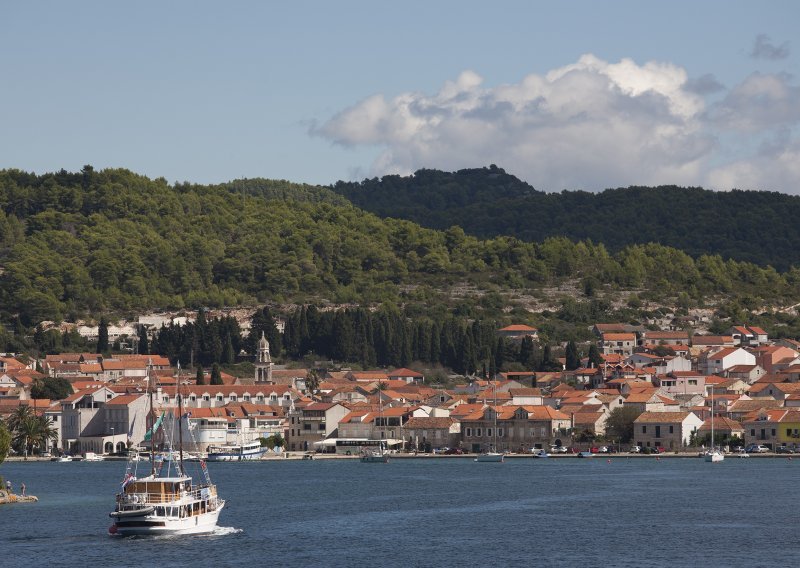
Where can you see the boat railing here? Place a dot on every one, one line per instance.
(134, 499)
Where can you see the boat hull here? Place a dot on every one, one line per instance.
(375, 459)
(152, 525)
(714, 457)
(234, 457)
(490, 458)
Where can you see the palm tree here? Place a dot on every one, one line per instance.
(33, 432)
(20, 415)
(24, 434)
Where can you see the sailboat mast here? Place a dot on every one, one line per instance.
(152, 421)
(180, 419)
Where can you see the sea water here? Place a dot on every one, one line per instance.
(429, 512)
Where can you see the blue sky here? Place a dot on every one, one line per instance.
(565, 95)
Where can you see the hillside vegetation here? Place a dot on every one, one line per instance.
(752, 226)
(112, 241)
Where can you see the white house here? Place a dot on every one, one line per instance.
(715, 363)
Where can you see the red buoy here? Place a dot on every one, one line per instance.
(112, 529)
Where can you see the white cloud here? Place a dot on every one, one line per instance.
(588, 125)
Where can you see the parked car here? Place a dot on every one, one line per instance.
(453, 451)
(558, 449)
(756, 449)
(785, 450)
(636, 450)
(603, 449)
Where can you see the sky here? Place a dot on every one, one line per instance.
(575, 95)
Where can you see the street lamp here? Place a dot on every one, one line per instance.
(113, 445)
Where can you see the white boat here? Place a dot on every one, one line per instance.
(166, 501)
(155, 504)
(375, 456)
(92, 457)
(540, 454)
(62, 459)
(493, 457)
(236, 452)
(713, 455)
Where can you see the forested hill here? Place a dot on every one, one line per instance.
(753, 226)
(92, 242)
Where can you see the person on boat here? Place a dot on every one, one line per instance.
(8, 486)
(22, 488)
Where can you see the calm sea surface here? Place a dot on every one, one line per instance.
(430, 512)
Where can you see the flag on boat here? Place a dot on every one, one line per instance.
(203, 464)
(149, 434)
(128, 479)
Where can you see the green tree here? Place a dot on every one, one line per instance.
(200, 376)
(312, 381)
(216, 375)
(54, 388)
(595, 359)
(572, 356)
(144, 341)
(619, 425)
(102, 336)
(5, 441)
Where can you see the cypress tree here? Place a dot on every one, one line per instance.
(595, 359)
(102, 336)
(216, 375)
(228, 355)
(144, 341)
(573, 359)
(200, 377)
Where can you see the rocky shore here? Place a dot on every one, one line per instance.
(6, 497)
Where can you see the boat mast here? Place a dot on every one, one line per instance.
(712, 419)
(152, 419)
(180, 419)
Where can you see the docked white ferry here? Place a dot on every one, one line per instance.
(237, 452)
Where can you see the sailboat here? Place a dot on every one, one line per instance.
(379, 454)
(166, 501)
(492, 456)
(713, 455)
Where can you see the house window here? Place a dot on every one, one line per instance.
(260, 398)
(321, 426)
(469, 432)
(219, 397)
(752, 431)
(488, 431)
(773, 431)
(206, 397)
(246, 398)
(644, 429)
(273, 397)
(693, 382)
(192, 398)
(233, 398)
(788, 431)
(479, 432)
(499, 432)
(671, 431)
(306, 426)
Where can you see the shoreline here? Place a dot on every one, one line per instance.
(315, 456)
